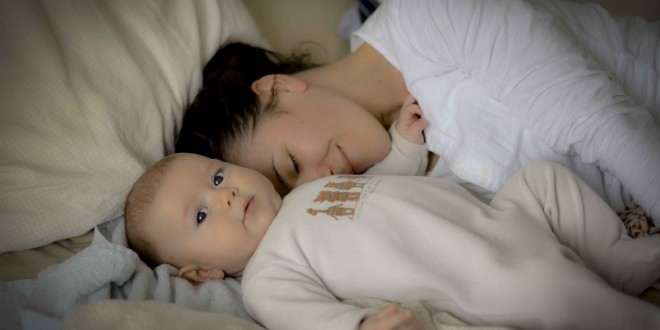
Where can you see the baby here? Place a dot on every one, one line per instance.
(546, 253)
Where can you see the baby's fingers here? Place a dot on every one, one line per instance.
(410, 113)
(411, 118)
(410, 99)
(391, 317)
(419, 124)
(389, 310)
(397, 318)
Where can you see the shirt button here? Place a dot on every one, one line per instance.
(484, 171)
(434, 139)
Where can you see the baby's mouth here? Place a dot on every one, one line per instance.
(247, 210)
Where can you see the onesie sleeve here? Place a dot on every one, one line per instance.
(293, 297)
(404, 158)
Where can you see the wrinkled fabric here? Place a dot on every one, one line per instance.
(507, 82)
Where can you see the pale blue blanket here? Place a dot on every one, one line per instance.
(107, 269)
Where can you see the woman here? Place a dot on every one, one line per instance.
(501, 83)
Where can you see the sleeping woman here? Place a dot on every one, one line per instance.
(502, 83)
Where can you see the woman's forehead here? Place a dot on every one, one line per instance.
(251, 149)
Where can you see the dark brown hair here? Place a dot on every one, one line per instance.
(226, 108)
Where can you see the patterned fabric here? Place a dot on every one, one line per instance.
(637, 222)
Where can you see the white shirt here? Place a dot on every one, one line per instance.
(504, 83)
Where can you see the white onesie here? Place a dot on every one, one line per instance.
(545, 254)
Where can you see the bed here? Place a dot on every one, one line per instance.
(92, 94)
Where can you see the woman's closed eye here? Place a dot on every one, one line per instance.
(294, 164)
(291, 171)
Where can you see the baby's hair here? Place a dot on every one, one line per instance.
(138, 201)
(226, 108)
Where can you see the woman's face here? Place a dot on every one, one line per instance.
(311, 135)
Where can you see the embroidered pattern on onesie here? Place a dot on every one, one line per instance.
(343, 190)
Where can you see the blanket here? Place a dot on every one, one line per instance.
(107, 269)
(114, 314)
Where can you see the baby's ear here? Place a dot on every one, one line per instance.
(281, 83)
(197, 275)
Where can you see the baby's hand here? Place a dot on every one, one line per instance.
(411, 124)
(390, 317)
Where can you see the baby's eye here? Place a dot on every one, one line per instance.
(218, 178)
(201, 215)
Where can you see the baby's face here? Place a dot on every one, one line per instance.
(210, 213)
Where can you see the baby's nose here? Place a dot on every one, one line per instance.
(227, 196)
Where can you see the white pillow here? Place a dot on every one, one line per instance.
(92, 93)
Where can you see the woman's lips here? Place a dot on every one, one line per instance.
(352, 162)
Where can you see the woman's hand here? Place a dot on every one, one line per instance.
(390, 317)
